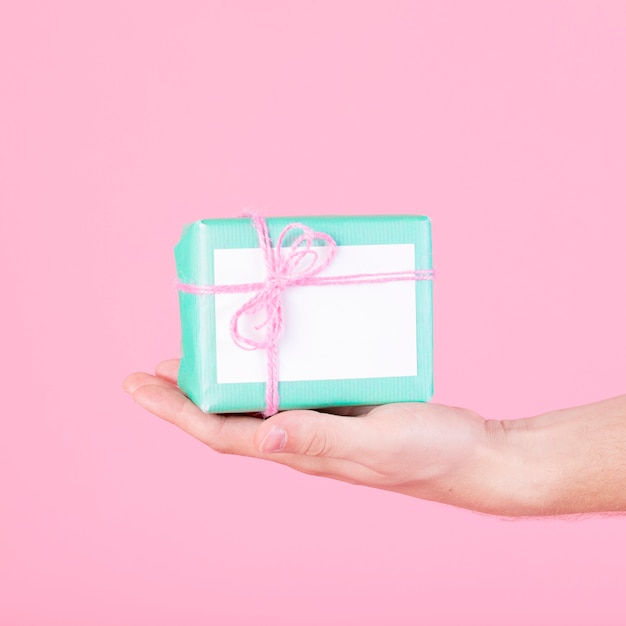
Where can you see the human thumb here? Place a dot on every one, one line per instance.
(307, 433)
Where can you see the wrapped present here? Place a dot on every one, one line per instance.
(307, 312)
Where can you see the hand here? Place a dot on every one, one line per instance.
(562, 462)
(425, 450)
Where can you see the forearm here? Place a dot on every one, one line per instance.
(562, 462)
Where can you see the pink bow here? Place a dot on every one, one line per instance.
(286, 267)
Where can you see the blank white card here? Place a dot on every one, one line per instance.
(330, 332)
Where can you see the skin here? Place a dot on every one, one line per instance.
(563, 462)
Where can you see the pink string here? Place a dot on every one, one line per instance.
(298, 265)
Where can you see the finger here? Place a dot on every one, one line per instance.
(140, 379)
(232, 434)
(168, 370)
(312, 434)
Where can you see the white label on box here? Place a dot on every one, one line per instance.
(330, 332)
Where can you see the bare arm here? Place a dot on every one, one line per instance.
(568, 461)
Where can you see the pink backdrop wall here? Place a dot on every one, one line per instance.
(123, 120)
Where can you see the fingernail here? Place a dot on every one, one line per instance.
(275, 440)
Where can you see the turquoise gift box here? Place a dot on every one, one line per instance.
(340, 344)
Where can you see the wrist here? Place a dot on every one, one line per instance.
(519, 480)
(488, 472)
(504, 476)
(511, 471)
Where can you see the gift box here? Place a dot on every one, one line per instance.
(306, 312)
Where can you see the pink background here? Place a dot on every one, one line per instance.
(121, 121)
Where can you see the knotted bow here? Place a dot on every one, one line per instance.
(297, 264)
(285, 267)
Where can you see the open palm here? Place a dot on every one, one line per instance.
(419, 449)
